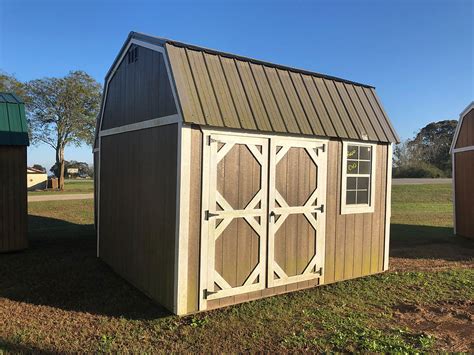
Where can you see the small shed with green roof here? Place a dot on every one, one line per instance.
(13, 195)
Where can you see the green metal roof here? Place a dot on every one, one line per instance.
(13, 127)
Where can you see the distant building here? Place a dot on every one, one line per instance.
(36, 179)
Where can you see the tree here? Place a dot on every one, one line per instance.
(432, 144)
(9, 83)
(63, 111)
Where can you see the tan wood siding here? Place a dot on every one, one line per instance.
(222, 90)
(354, 242)
(138, 208)
(464, 193)
(466, 132)
(139, 91)
(13, 196)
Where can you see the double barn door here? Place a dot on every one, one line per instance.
(263, 213)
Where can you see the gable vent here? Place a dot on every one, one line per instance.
(132, 55)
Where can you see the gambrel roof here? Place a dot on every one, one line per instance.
(220, 89)
(460, 126)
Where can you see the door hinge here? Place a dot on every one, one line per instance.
(322, 147)
(320, 208)
(320, 271)
(208, 214)
(212, 140)
(207, 293)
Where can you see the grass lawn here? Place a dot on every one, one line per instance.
(70, 187)
(57, 297)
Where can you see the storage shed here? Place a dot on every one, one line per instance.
(240, 179)
(13, 143)
(462, 153)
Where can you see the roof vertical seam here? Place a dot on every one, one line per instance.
(195, 85)
(254, 118)
(372, 124)
(275, 99)
(361, 121)
(324, 105)
(302, 106)
(359, 134)
(230, 91)
(376, 117)
(335, 108)
(314, 106)
(261, 97)
(289, 103)
(213, 90)
(379, 104)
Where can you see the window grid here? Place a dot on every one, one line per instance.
(360, 193)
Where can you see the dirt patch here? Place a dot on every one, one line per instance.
(411, 264)
(450, 322)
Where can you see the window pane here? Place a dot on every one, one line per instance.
(352, 167)
(352, 152)
(351, 183)
(362, 197)
(363, 183)
(365, 153)
(350, 197)
(364, 167)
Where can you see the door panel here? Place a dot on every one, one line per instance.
(235, 215)
(297, 195)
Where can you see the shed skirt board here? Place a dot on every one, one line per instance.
(241, 173)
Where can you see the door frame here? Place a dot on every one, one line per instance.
(205, 189)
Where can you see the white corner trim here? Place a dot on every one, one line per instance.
(453, 191)
(463, 149)
(458, 127)
(366, 208)
(182, 219)
(388, 208)
(155, 122)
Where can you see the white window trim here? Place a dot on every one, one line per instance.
(360, 208)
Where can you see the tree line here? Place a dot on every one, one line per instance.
(427, 154)
(60, 111)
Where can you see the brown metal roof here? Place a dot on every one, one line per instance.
(222, 90)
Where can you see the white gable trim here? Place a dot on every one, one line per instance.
(458, 127)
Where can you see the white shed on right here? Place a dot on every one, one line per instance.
(462, 153)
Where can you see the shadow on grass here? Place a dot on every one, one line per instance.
(429, 242)
(60, 269)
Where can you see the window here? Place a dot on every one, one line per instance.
(358, 178)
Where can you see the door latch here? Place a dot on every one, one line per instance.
(320, 208)
(320, 271)
(207, 293)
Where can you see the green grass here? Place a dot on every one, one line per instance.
(429, 205)
(62, 299)
(70, 187)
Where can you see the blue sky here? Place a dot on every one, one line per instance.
(417, 53)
